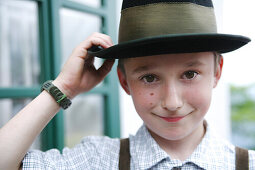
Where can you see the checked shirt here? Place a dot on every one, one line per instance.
(102, 153)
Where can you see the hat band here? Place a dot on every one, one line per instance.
(165, 18)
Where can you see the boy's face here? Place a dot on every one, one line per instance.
(172, 92)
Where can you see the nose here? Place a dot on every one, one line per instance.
(172, 99)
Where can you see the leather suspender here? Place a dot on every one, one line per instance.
(242, 157)
(124, 160)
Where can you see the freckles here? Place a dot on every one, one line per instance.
(151, 94)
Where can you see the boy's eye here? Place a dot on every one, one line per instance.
(149, 78)
(190, 75)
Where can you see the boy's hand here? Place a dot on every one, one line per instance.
(79, 73)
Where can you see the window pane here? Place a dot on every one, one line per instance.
(83, 118)
(75, 28)
(93, 3)
(8, 108)
(19, 56)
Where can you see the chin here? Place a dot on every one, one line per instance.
(173, 137)
(173, 134)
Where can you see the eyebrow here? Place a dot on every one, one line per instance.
(143, 69)
(193, 63)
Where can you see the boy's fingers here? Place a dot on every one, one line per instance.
(103, 36)
(81, 50)
(106, 38)
(106, 67)
(98, 39)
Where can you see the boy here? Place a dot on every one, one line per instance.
(169, 68)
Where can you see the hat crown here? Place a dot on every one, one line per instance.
(151, 18)
(154, 27)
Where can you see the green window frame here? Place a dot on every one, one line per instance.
(50, 60)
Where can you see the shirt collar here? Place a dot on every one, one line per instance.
(144, 150)
(207, 153)
(200, 154)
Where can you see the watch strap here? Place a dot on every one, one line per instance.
(59, 97)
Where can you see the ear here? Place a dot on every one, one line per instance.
(218, 72)
(123, 81)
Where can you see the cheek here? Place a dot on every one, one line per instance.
(200, 96)
(144, 99)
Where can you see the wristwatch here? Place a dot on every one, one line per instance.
(59, 97)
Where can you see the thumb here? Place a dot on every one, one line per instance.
(106, 67)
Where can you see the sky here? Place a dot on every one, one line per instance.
(239, 18)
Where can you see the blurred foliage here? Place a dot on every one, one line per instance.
(243, 103)
(243, 116)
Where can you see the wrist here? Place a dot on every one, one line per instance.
(60, 97)
(63, 88)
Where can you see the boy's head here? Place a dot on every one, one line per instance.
(169, 61)
(171, 92)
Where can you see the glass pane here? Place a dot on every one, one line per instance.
(83, 118)
(19, 56)
(93, 3)
(75, 28)
(8, 108)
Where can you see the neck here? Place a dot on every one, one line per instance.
(181, 149)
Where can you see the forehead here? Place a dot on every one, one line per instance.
(169, 60)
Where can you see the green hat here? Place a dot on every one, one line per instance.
(153, 27)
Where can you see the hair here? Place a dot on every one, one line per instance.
(121, 65)
(217, 60)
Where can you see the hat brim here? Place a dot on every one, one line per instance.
(173, 43)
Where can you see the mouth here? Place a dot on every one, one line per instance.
(172, 119)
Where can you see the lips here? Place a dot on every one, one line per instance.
(172, 119)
